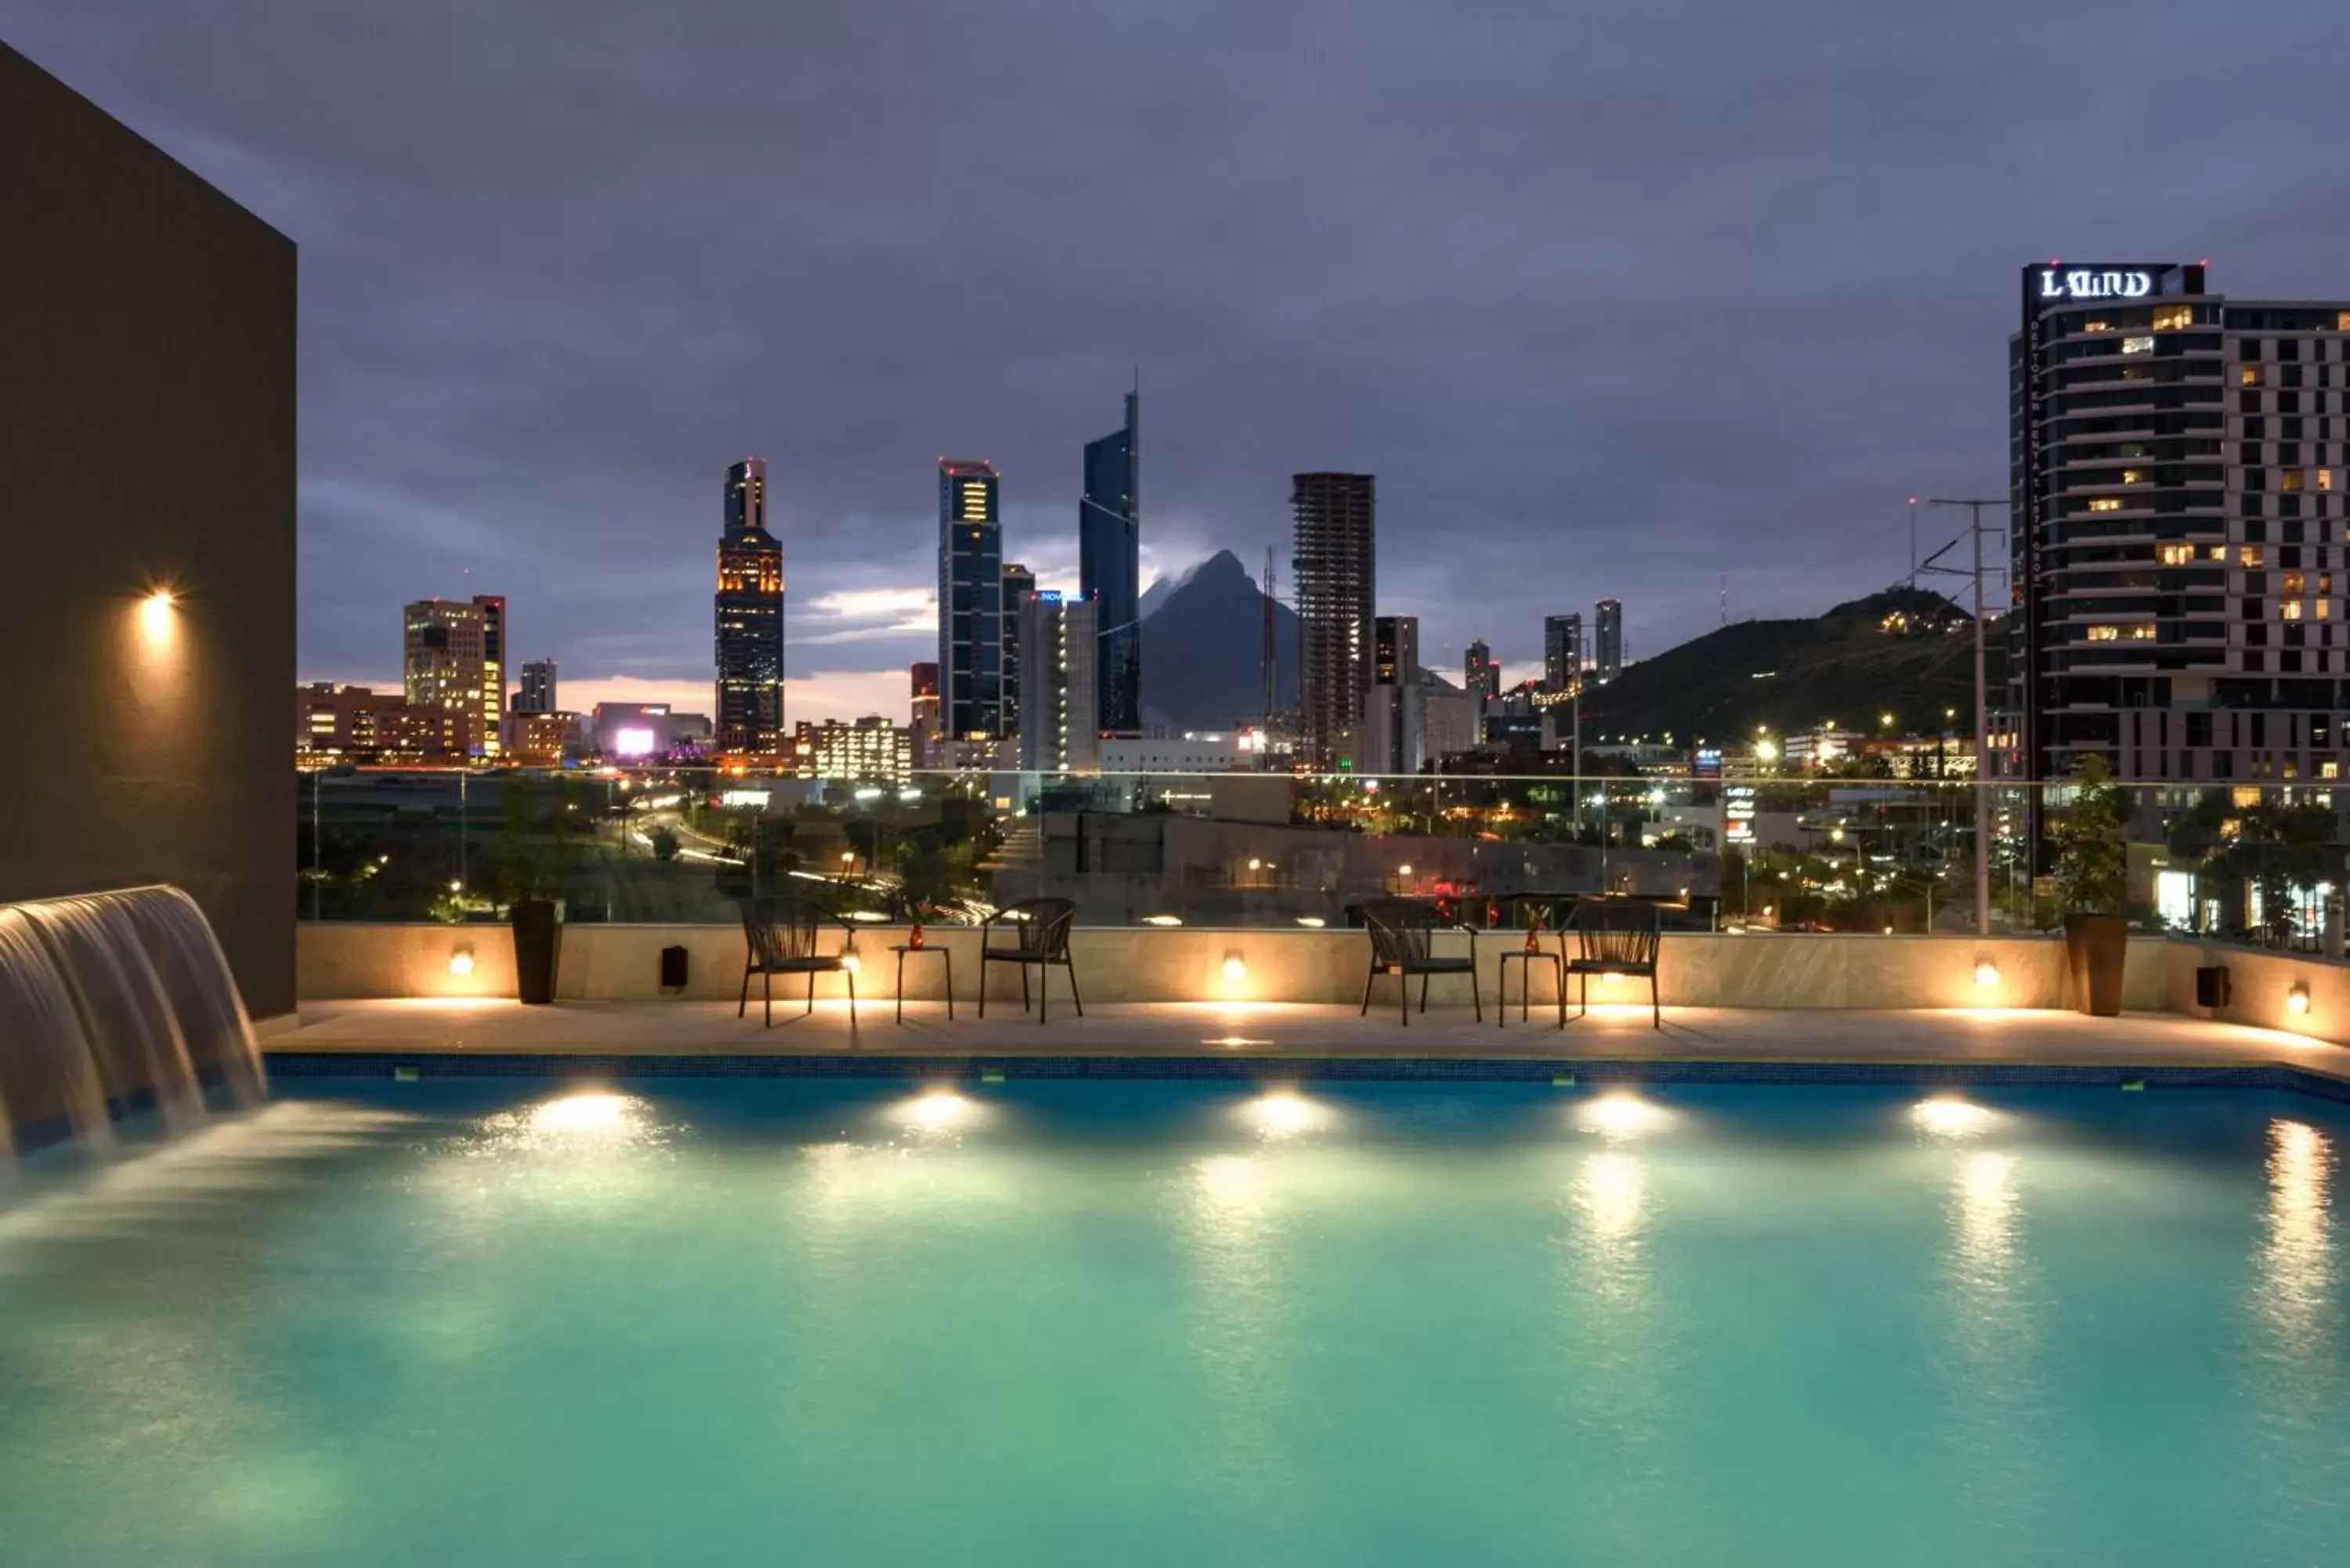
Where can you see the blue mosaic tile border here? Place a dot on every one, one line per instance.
(32, 1137)
(1296, 1068)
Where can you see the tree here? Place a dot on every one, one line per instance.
(2092, 858)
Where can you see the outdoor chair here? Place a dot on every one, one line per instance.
(1613, 936)
(782, 933)
(1403, 933)
(1039, 937)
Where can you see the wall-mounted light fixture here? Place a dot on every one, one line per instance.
(1234, 967)
(159, 615)
(1986, 974)
(461, 962)
(2296, 1000)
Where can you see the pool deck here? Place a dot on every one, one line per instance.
(1225, 1030)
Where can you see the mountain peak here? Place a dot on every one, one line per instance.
(1220, 572)
(1203, 647)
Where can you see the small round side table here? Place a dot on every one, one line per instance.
(947, 958)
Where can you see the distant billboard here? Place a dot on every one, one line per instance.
(633, 741)
(1738, 814)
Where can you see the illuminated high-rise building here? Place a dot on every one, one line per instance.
(1110, 566)
(971, 601)
(1607, 653)
(1019, 582)
(1562, 651)
(1336, 571)
(749, 618)
(1481, 675)
(537, 693)
(1061, 730)
(1394, 650)
(923, 719)
(2180, 496)
(454, 658)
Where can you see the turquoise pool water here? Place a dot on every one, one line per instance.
(786, 1322)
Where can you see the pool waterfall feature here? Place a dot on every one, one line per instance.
(112, 1004)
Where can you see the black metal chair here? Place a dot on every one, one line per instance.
(782, 933)
(1041, 939)
(1615, 936)
(1403, 940)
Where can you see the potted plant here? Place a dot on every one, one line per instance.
(2092, 880)
(534, 854)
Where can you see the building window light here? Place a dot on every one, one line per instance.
(2103, 633)
(2176, 554)
(2292, 584)
(2107, 503)
(2292, 479)
(2136, 476)
(2137, 345)
(2324, 479)
(2170, 317)
(2251, 555)
(2247, 374)
(2290, 609)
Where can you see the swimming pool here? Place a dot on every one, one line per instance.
(730, 1322)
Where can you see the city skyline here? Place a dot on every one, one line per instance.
(496, 381)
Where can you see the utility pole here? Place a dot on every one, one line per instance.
(1271, 665)
(1982, 714)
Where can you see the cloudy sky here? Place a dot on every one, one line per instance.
(1613, 298)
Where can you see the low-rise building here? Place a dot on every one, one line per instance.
(334, 723)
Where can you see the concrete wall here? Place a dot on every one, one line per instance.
(606, 962)
(146, 439)
(2260, 986)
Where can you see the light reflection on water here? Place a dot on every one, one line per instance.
(2296, 1271)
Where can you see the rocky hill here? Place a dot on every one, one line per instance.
(1903, 651)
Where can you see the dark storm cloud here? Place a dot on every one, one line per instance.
(1612, 298)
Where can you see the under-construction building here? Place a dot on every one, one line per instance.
(1334, 571)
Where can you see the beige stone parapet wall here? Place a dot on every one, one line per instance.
(2261, 986)
(621, 963)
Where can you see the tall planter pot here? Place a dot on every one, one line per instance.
(538, 942)
(2097, 950)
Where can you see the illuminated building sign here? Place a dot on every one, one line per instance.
(2086, 283)
(1738, 814)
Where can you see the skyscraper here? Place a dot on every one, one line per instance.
(537, 693)
(749, 618)
(1109, 563)
(454, 658)
(971, 601)
(1019, 582)
(1058, 640)
(1562, 651)
(1608, 656)
(1394, 650)
(923, 724)
(1481, 678)
(2179, 503)
(1335, 572)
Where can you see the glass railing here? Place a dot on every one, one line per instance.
(663, 844)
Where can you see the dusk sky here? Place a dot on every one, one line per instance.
(1612, 298)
